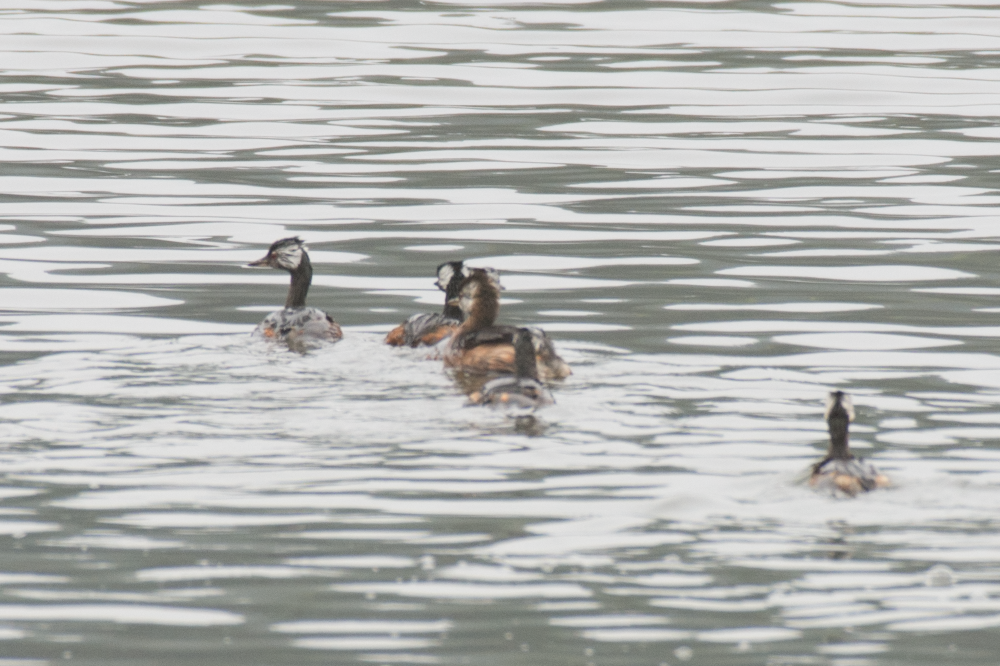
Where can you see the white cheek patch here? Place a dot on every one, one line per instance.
(290, 257)
(846, 402)
(445, 273)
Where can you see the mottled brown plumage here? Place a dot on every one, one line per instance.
(481, 346)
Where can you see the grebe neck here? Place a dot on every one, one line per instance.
(485, 307)
(301, 279)
(525, 363)
(451, 293)
(838, 439)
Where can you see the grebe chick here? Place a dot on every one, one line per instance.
(521, 391)
(480, 346)
(299, 326)
(840, 473)
(430, 328)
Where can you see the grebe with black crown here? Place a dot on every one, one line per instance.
(300, 326)
(480, 346)
(522, 391)
(430, 328)
(840, 473)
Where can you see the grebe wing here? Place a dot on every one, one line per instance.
(491, 335)
(428, 328)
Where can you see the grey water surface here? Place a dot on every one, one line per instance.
(719, 211)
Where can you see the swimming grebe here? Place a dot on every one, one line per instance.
(522, 390)
(840, 472)
(480, 346)
(299, 326)
(429, 328)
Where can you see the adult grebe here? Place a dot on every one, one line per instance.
(840, 473)
(521, 391)
(480, 346)
(430, 328)
(299, 326)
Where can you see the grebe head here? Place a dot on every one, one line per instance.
(289, 254)
(449, 272)
(286, 254)
(839, 407)
(492, 274)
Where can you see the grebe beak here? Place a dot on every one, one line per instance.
(264, 262)
(451, 301)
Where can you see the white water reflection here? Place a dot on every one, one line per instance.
(119, 614)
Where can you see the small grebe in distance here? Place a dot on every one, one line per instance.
(840, 473)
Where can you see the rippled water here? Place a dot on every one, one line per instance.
(719, 211)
